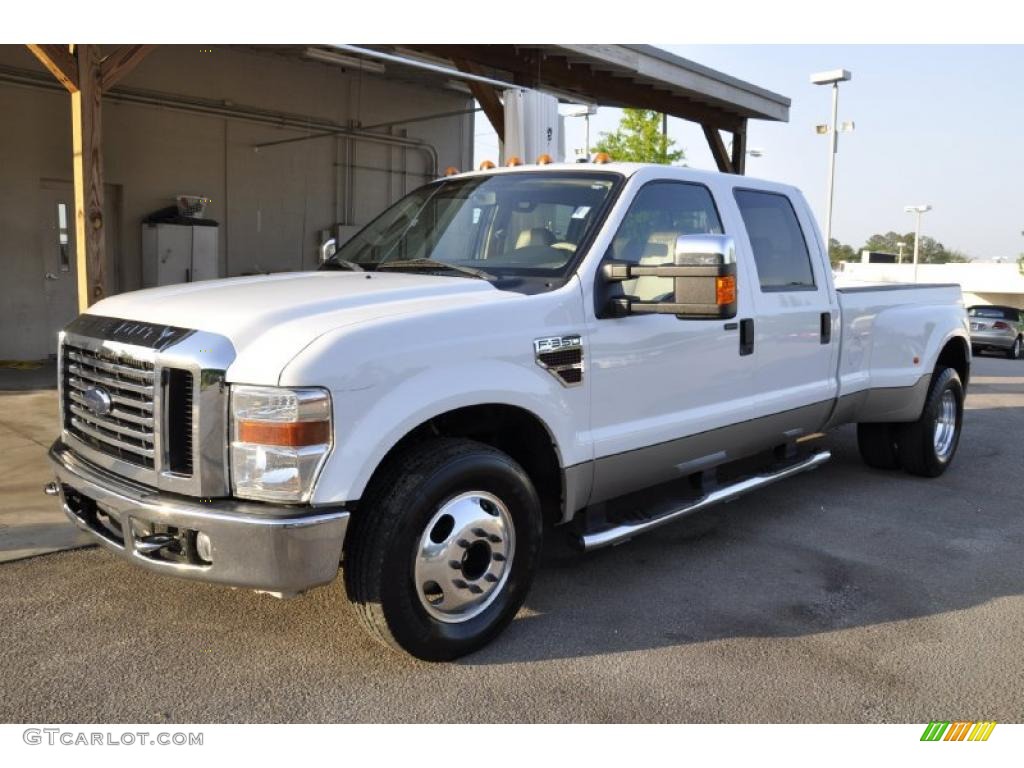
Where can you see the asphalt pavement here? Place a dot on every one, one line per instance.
(842, 595)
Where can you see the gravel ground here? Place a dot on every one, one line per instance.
(843, 595)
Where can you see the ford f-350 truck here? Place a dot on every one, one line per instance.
(605, 347)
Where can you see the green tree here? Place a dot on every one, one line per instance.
(840, 252)
(931, 250)
(639, 139)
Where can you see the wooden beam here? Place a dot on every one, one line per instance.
(87, 161)
(59, 61)
(739, 150)
(718, 149)
(487, 96)
(121, 62)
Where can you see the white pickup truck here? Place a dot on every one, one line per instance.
(606, 347)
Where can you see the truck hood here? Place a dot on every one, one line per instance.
(271, 318)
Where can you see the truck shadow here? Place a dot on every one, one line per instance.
(844, 546)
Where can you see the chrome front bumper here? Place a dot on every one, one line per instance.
(253, 545)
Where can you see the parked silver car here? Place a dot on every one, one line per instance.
(997, 328)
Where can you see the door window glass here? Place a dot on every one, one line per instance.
(660, 214)
(780, 250)
(63, 240)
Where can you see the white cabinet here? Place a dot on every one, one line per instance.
(179, 253)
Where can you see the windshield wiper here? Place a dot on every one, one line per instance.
(333, 263)
(434, 264)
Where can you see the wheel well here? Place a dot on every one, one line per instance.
(510, 429)
(955, 355)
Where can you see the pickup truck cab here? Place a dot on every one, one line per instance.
(604, 347)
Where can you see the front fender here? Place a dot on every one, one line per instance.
(390, 376)
(370, 422)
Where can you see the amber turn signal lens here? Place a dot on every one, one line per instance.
(486, 165)
(290, 433)
(725, 290)
(513, 162)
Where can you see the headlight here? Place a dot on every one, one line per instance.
(279, 440)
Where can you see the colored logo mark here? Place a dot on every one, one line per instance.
(958, 730)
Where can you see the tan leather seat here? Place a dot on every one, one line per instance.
(537, 236)
(659, 249)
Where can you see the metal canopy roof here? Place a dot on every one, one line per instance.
(617, 76)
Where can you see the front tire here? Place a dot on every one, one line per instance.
(444, 548)
(928, 445)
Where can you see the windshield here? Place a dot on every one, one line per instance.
(516, 224)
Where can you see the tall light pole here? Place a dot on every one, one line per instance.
(833, 77)
(901, 245)
(585, 112)
(918, 209)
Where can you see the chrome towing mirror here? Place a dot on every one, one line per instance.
(703, 271)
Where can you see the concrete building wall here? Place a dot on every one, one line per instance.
(981, 282)
(271, 202)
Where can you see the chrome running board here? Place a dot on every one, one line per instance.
(626, 531)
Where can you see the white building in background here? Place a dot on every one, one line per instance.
(981, 282)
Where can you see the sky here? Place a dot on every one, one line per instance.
(942, 125)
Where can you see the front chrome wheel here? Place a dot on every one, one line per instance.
(464, 557)
(945, 425)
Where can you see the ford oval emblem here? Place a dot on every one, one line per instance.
(97, 400)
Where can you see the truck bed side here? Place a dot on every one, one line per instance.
(892, 336)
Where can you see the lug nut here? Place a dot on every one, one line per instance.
(51, 489)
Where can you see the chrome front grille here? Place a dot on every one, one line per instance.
(147, 402)
(109, 403)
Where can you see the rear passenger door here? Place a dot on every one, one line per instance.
(795, 310)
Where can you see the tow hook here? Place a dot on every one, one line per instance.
(51, 489)
(154, 542)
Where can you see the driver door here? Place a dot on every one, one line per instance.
(662, 387)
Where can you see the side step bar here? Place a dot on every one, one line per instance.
(626, 531)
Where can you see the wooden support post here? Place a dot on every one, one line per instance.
(487, 96)
(739, 149)
(87, 159)
(718, 149)
(86, 76)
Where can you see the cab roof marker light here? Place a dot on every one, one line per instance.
(486, 165)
